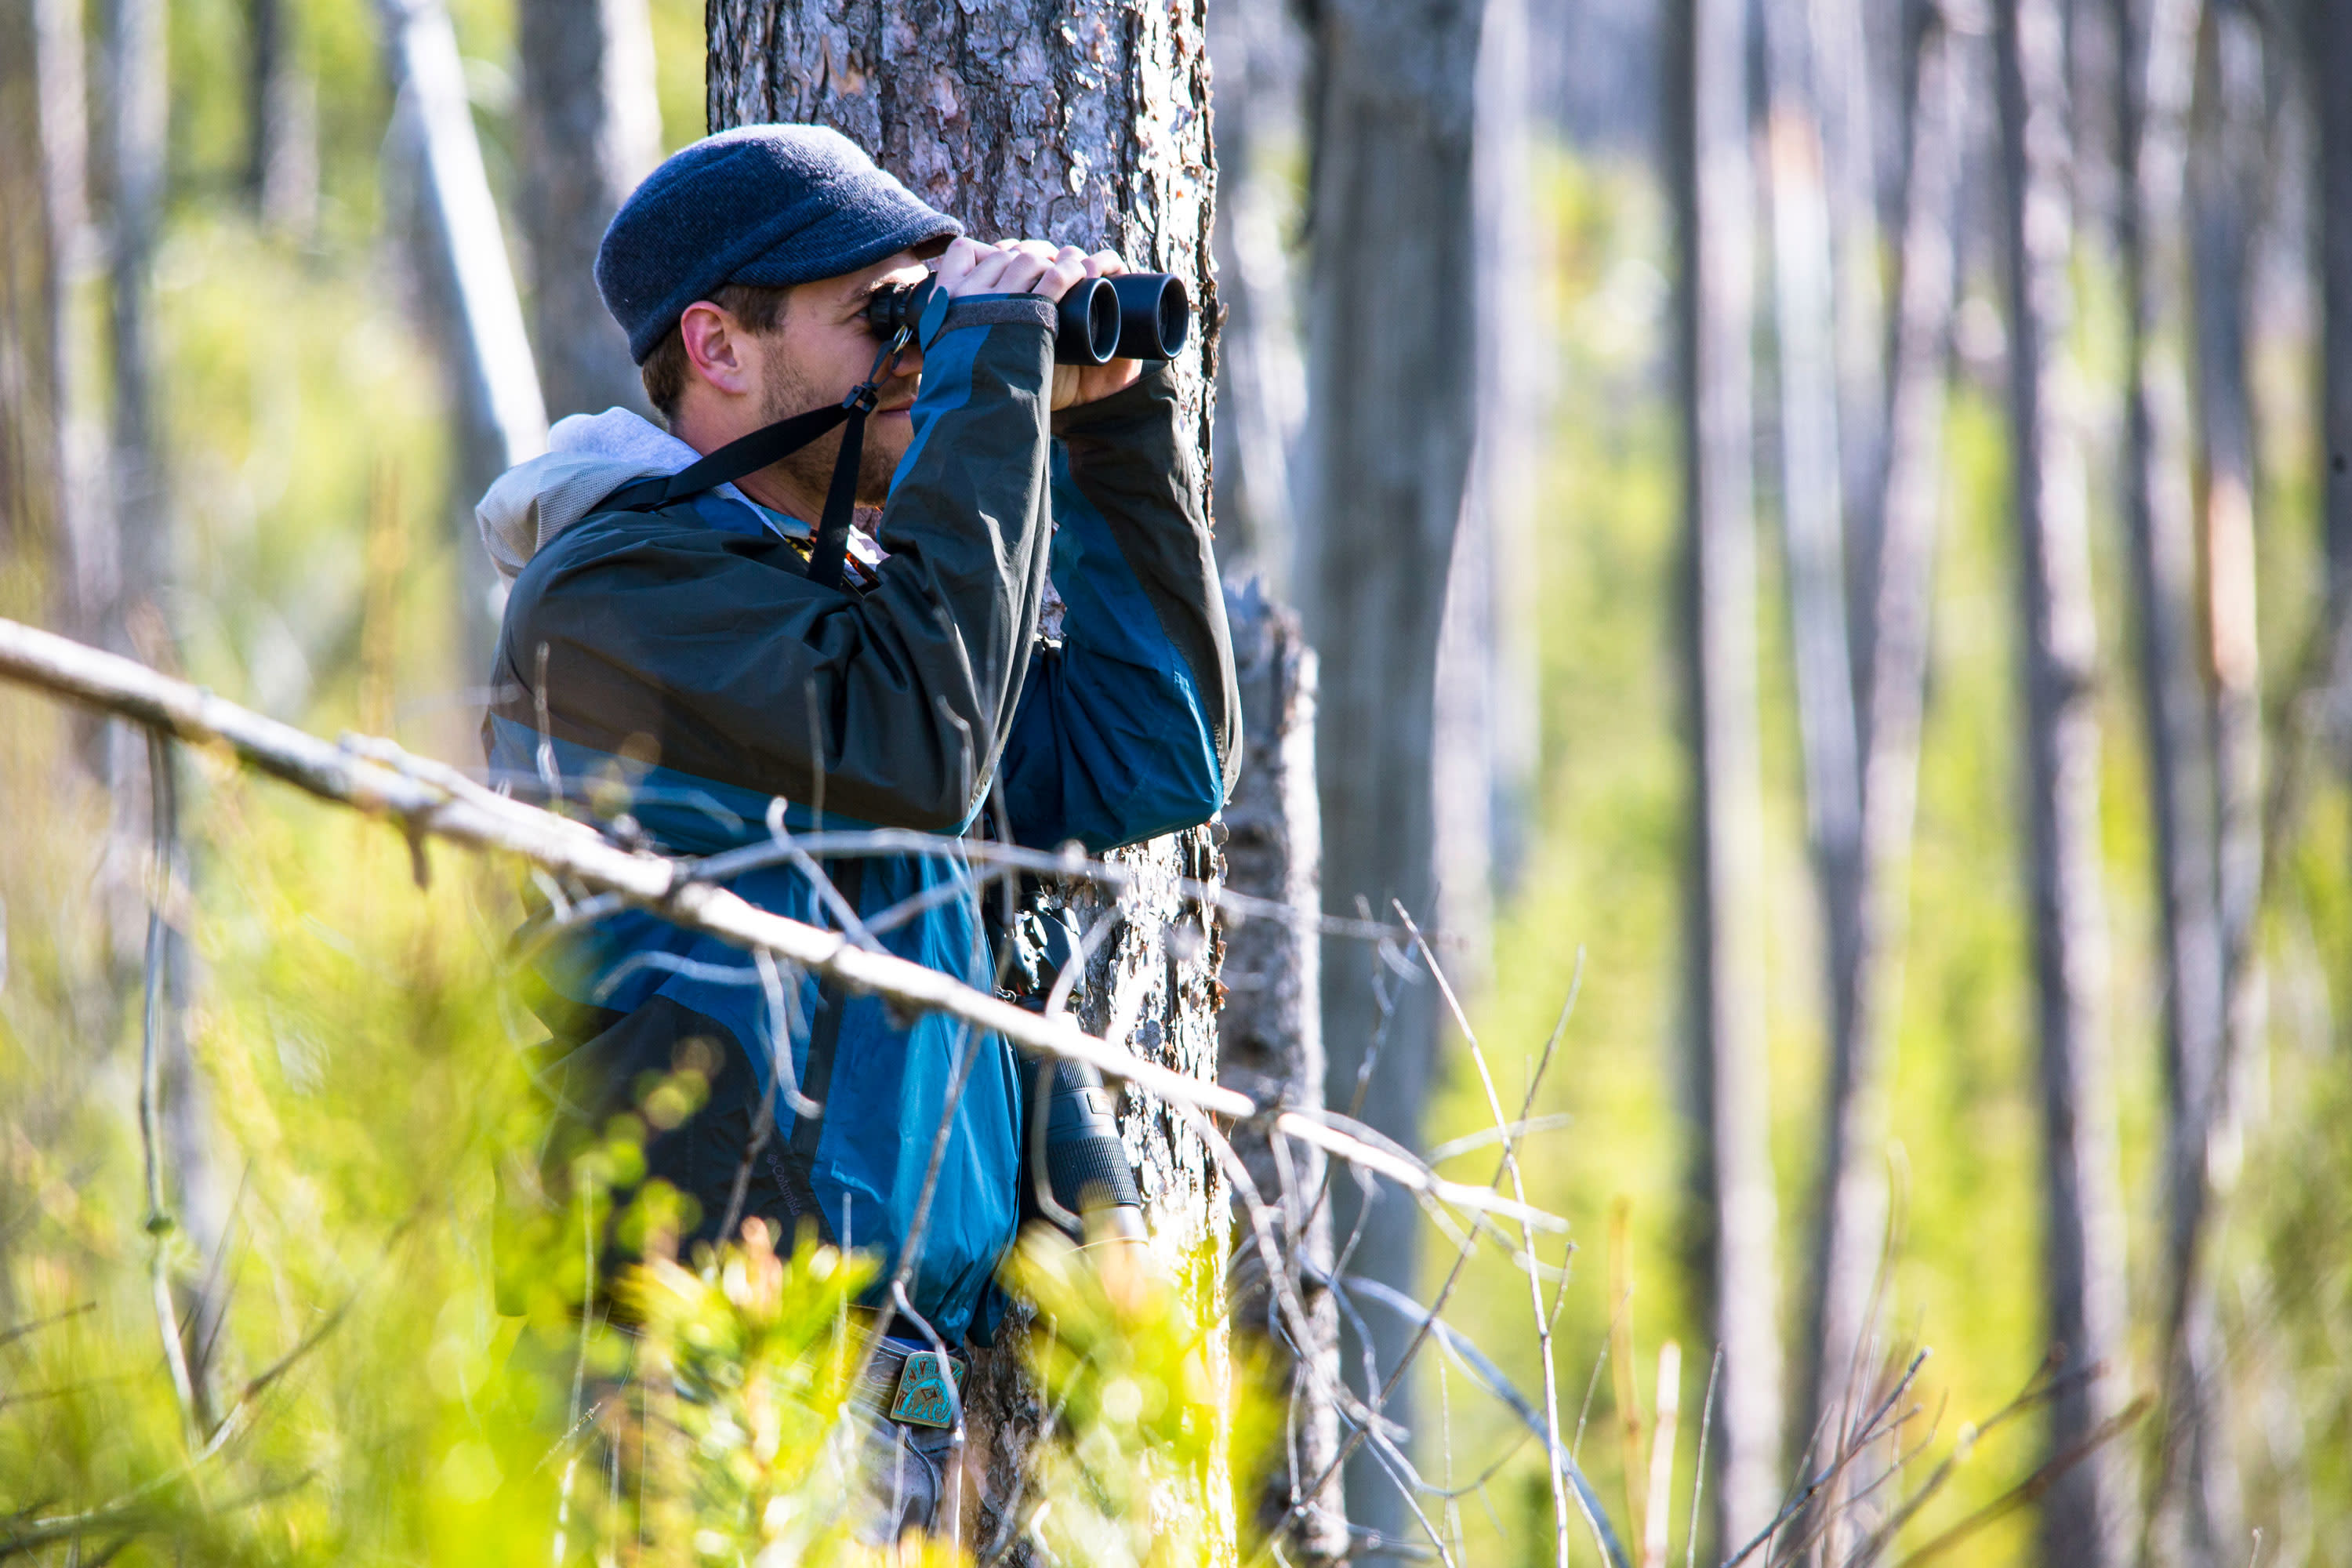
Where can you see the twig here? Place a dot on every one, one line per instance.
(2031, 1488)
(1518, 1191)
(1861, 1439)
(10, 1335)
(2045, 1384)
(1698, 1470)
(163, 805)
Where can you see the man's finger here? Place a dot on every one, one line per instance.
(1105, 264)
(1022, 272)
(956, 264)
(1062, 276)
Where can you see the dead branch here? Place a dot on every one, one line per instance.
(422, 804)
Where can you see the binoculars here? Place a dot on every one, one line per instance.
(1137, 315)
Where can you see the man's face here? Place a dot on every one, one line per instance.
(822, 350)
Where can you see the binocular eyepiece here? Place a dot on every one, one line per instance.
(1136, 315)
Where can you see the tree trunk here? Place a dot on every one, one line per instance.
(1852, 1218)
(40, 223)
(1261, 378)
(2083, 1513)
(281, 155)
(1734, 1198)
(1270, 1047)
(2228, 164)
(134, 121)
(1392, 391)
(2331, 68)
(2159, 51)
(591, 131)
(1813, 513)
(470, 297)
(1084, 122)
(83, 518)
(1845, 99)
(1488, 727)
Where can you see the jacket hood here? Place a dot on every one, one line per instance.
(588, 457)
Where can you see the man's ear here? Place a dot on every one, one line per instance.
(716, 344)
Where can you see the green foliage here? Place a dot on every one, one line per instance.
(360, 1399)
(1145, 1400)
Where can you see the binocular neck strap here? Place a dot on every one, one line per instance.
(771, 443)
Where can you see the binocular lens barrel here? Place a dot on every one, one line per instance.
(1087, 327)
(1155, 315)
(1138, 315)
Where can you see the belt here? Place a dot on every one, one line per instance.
(907, 1385)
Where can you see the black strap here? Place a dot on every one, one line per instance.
(829, 551)
(825, 1038)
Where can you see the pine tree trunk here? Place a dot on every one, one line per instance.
(1261, 377)
(591, 131)
(83, 519)
(43, 197)
(1806, 283)
(1270, 1047)
(1393, 388)
(1733, 1200)
(2158, 53)
(469, 298)
(281, 157)
(1084, 122)
(134, 124)
(2227, 167)
(2084, 1516)
(1845, 96)
(1487, 727)
(2329, 52)
(1852, 1218)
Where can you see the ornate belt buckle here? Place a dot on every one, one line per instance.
(923, 1398)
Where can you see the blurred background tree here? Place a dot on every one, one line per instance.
(251, 382)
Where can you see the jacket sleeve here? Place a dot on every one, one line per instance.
(1132, 726)
(716, 651)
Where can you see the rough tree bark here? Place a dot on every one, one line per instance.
(1391, 398)
(1852, 1214)
(591, 131)
(2084, 1516)
(1732, 1200)
(1083, 122)
(1270, 1047)
(469, 296)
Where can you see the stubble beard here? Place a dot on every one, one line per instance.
(811, 466)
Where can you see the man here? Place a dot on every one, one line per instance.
(685, 661)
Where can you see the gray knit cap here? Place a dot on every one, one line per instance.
(766, 204)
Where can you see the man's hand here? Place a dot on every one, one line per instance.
(1034, 267)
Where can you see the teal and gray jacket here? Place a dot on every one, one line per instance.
(677, 665)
